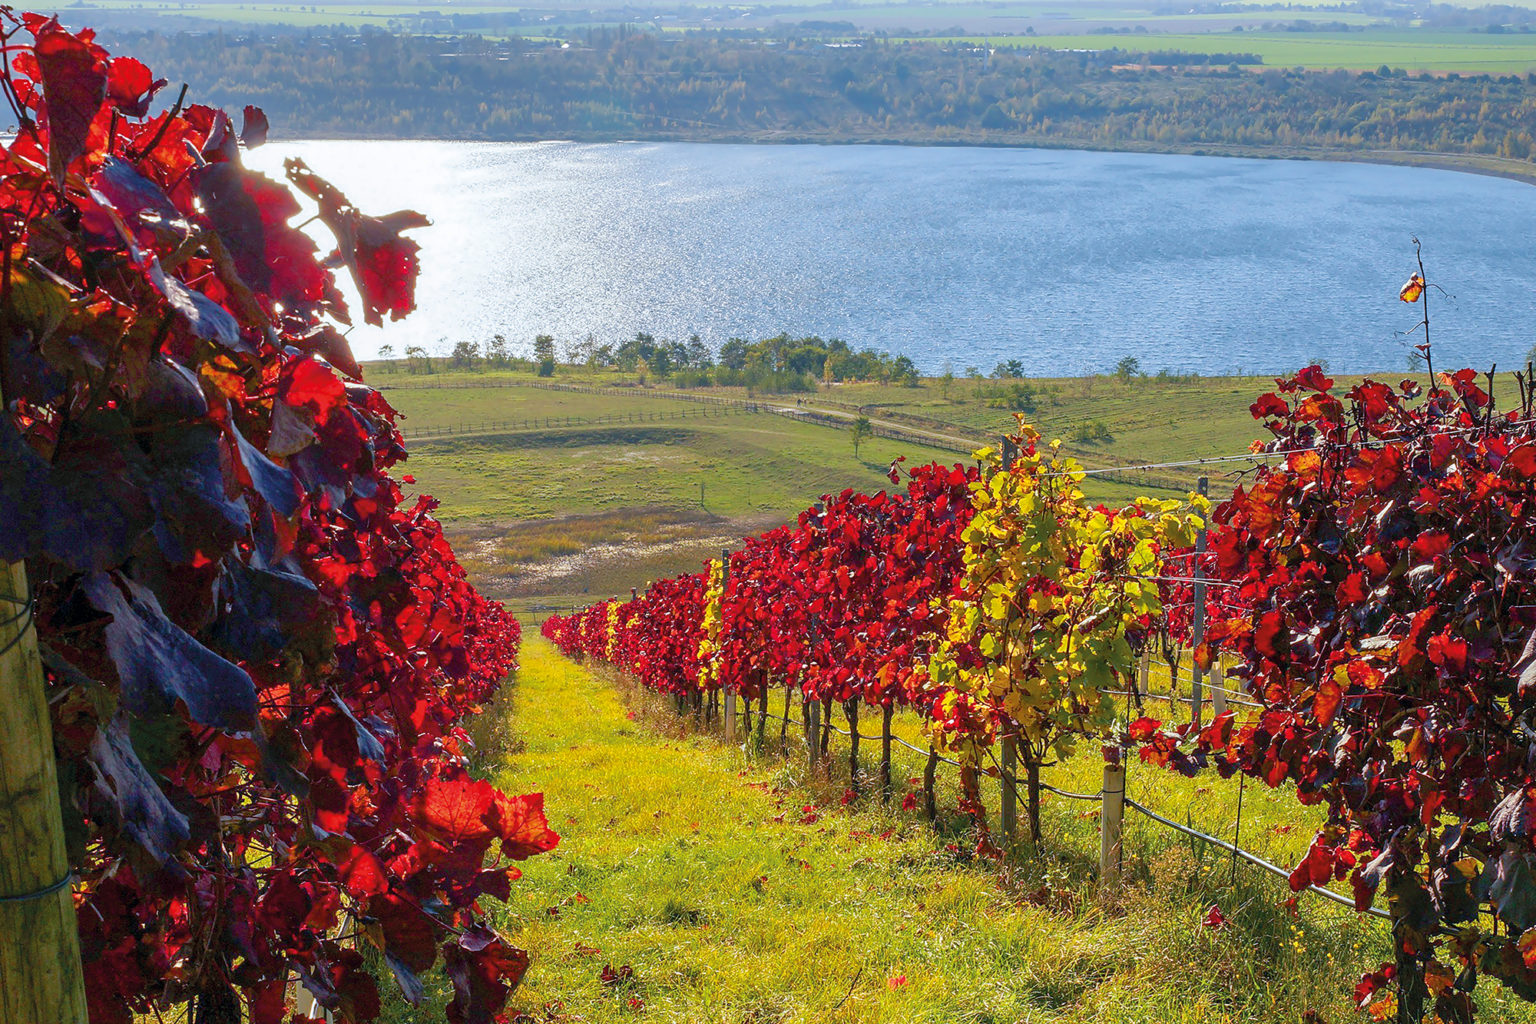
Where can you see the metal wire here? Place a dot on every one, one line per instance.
(1251, 858)
(37, 894)
(1011, 781)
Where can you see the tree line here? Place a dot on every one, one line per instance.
(613, 83)
(781, 363)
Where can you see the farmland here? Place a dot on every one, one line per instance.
(1366, 50)
(554, 514)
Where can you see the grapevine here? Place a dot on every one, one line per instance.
(261, 650)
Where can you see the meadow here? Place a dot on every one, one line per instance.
(641, 484)
(1365, 50)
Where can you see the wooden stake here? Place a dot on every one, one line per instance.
(40, 973)
(1218, 686)
(1032, 777)
(851, 711)
(1111, 818)
(885, 753)
(930, 801)
(1009, 779)
(812, 733)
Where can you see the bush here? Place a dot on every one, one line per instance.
(1017, 397)
(1090, 432)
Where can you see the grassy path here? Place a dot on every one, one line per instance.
(733, 899)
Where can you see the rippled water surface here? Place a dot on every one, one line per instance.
(1065, 260)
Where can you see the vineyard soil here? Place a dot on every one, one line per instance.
(735, 889)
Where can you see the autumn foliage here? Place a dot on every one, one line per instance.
(1374, 580)
(837, 606)
(1383, 561)
(261, 651)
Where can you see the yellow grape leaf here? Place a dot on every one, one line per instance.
(1411, 291)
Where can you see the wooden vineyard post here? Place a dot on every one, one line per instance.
(1010, 776)
(40, 974)
(1173, 683)
(730, 695)
(885, 753)
(812, 732)
(1218, 686)
(930, 801)
(851, 711)
(1197, 619)
(1111, 820)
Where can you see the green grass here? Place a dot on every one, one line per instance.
(1411, 49)
(697, 866)
(562, 515)
(565, 515)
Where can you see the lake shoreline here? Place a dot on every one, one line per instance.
(1466, 163)
(1071, 260)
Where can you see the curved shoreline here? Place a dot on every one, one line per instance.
(1466, 163)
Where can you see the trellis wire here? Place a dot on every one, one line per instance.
(1011, 780)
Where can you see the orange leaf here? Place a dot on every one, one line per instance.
(1412, 290)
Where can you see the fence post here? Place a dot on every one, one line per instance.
(851, 712)
(813, 730)
(1111, 819)
(930, 801)
(1197, 619)
(1218, 686)
(40, 973)
(1010, 776)
(885, 752)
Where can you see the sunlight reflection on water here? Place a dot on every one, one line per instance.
(1067, 260)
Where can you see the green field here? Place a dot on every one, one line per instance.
(554, 515)
(1410, 49)
(570, 514)
(740, 889)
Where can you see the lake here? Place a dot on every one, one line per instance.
(1065, 260)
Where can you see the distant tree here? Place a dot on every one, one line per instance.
(862, 430)
(678, 354)
(387, 357)
(466, 355)
(699, 355)
(544, 347)
(946, 382)
(417, 360)
(733, 354)
(1010, 368)
(973, 374)
(496, 351)
(1126, 368)
(904, 372)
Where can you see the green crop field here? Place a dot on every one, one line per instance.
(1410, 49)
